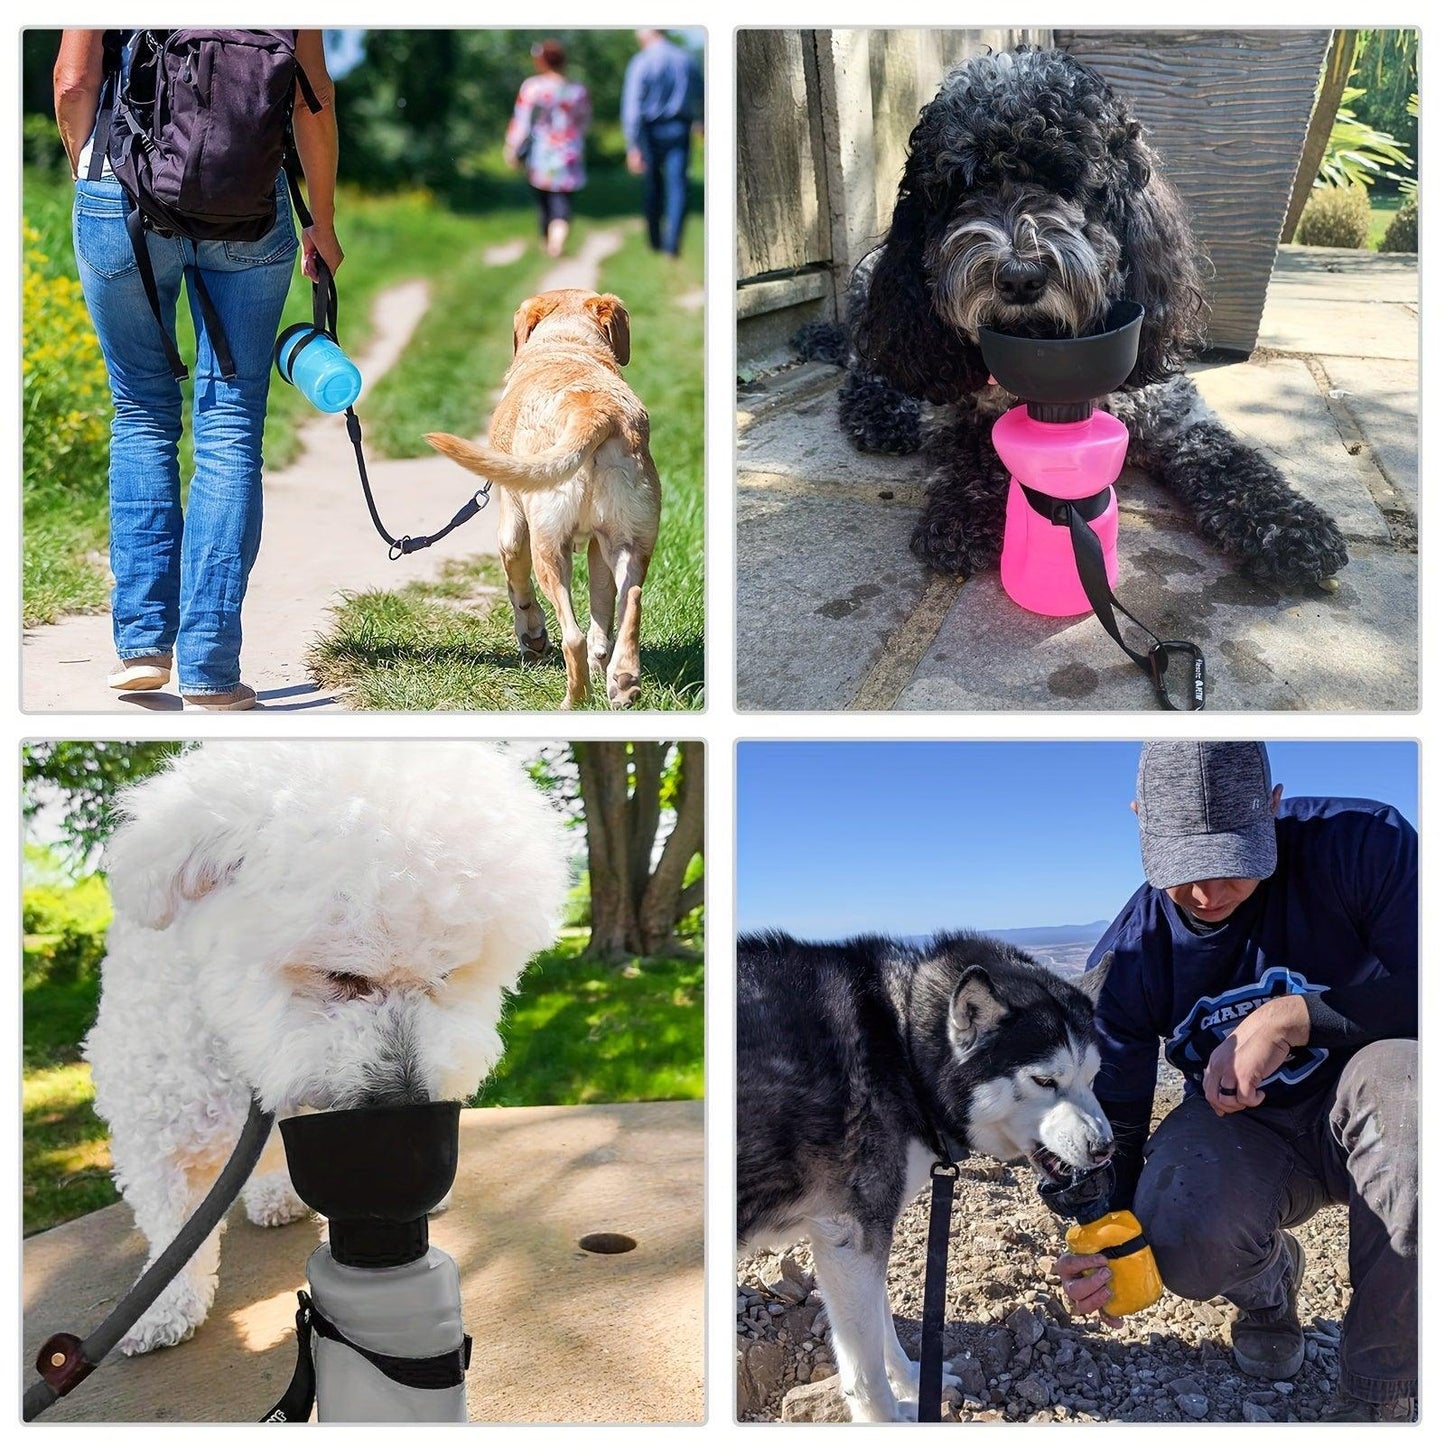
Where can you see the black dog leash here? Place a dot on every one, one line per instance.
(64, 1359)
(323, 314)
(1089, 559)
(935, 1291)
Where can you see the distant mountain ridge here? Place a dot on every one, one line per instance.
(1065, 946)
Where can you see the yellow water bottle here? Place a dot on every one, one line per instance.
(1119, 1237)
(1083, 1195)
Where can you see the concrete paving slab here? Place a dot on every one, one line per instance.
(1323, 272)
(1328, 302)
(1353, 651)
(1275, 403)
(821, 586)
(560, 1335)
(805, 441)
(784, 388)
(1383, 400)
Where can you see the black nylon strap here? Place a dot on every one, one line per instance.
(1089, 558)
(214, 330)
(935, 1290)
(135, 229)
(1122, 1251)
(435, 1372)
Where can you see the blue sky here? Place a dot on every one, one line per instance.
(834, 838)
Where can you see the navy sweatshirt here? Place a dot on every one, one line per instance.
(1338, 921)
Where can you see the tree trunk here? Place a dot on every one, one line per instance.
(1338, 64)
(657, 908)
(602, 774)
(636, 905)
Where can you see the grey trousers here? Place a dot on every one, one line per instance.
(1215, 1193)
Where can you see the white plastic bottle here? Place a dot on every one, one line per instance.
(413, 1310)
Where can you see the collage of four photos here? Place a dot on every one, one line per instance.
(1054, 1058)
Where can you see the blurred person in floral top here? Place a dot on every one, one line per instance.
(546, 136)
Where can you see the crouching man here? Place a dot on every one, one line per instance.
(1274, 949)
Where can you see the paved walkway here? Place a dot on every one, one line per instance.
(559, 1334)
(834, 612)
(318, 541)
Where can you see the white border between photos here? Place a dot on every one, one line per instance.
(721, 726)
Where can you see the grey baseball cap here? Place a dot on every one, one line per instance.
(1204, 812)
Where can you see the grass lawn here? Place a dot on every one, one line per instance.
(387, 239)
(450, 644)
(576, 1033)
(1382, 212)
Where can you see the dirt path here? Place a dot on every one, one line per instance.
(318, 541)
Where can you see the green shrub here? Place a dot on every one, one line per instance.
(1402, 234)
(41, 146)
(65, 928)
(1336, 216)
(66, 399)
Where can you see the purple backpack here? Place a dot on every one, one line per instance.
(197, 126)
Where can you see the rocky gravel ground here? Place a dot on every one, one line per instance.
(1009, 1339)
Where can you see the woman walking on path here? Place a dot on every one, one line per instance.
(547, 134)
(180, 579)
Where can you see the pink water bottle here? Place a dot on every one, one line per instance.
(1063, 456)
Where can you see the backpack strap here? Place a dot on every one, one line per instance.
(112, 56)
(135, 229)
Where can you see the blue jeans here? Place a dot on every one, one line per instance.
(180, 580)
(665, 146)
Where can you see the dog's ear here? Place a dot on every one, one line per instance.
(153, 891)
(897, 332)
(530, 314)
(1160, 257)
(611, 315)
(976, 1009)
(1091, 984)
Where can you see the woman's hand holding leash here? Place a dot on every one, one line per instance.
(320, 240)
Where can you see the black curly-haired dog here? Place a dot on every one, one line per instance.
(1029, 203)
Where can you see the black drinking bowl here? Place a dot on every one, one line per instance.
(391, 1162)
(1068, 370)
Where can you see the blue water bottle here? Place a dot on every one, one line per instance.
(308, 356)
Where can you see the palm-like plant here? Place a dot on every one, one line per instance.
(1356, 153)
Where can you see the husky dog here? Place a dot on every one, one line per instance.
(858, 1063)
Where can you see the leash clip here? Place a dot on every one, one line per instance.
(944, 1169)
(1159, 664)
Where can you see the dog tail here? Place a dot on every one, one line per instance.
(583, 433)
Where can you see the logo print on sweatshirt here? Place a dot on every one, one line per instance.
(1212, 1020)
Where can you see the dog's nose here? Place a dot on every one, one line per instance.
(1100, 1152)
(1021, 283)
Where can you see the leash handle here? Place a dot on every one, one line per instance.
(82, 1356)
(935, 1291)
(1089, 558)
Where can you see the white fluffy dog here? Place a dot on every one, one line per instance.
(321, 924)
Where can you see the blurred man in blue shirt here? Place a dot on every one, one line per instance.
(661, 100)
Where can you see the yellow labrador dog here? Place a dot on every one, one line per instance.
(568, 452)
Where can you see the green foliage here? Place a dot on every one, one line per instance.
(1335, 216)
(1387, 68)
(42, 149)
(1357, 154)
(430, 107)
(64, 927)
(82, 779)
(1402, 234)
(580, 1032)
